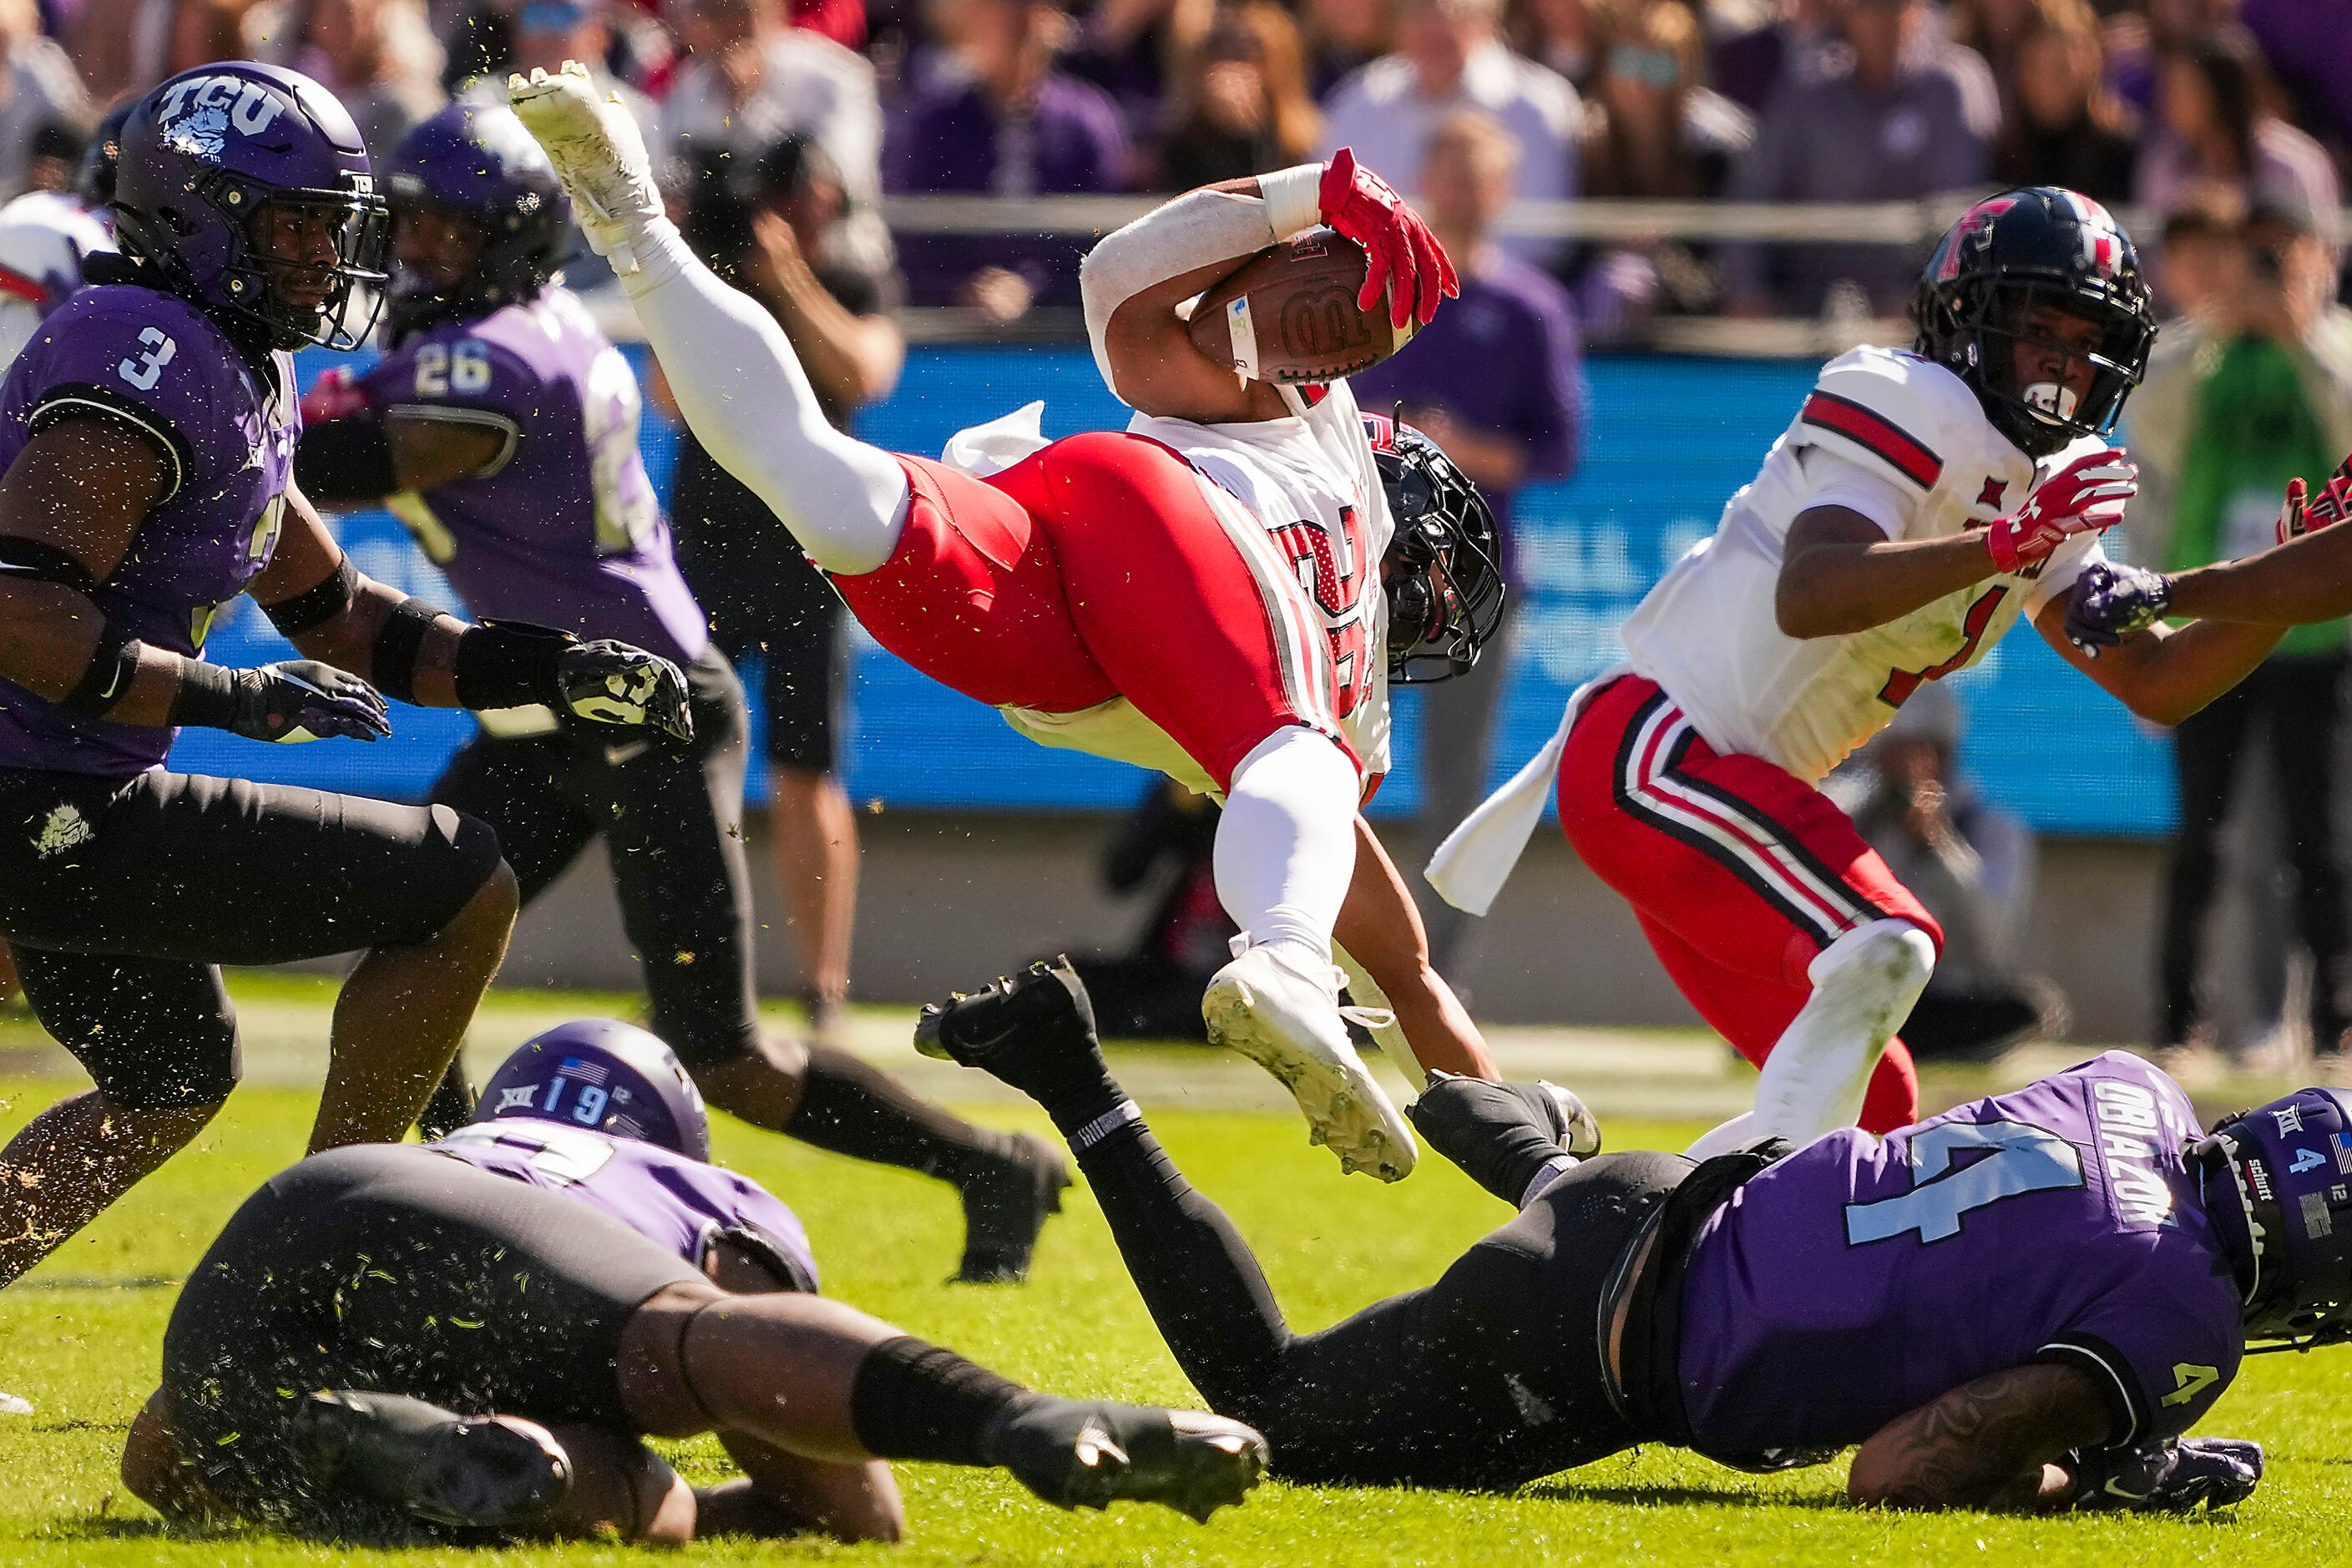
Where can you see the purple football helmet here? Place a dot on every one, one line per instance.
(216, 152)
(2278, 1183)
(605, 1074)
(479, 163)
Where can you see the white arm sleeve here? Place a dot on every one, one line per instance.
(1194, 230)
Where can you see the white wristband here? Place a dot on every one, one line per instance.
(1294, 201)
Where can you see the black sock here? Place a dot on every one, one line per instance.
(912, 1400)
(1196, 1274)
(849, 1106)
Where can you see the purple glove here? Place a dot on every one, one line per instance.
(2168, 1475)
(2109, 603)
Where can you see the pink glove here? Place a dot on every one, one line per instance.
(2303, 515)
(335, 396)
(1398, 246)
(2086, 496)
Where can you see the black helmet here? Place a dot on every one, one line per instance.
(2036, 246)
(481, 162)
(1443, 575)
(101, 155)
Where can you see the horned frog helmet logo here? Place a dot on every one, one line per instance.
(197, 115)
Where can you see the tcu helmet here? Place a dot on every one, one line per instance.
(2278, 1183)
(1443, 575)
(480, 163)
(207, 154)
(2038, 246)
(605, 1074)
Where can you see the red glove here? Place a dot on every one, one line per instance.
(2302, 515)
(1398, 248)
(335, 396)
(2086, 496)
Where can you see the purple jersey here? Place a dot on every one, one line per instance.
(228, 432)
(682, 1204)
(562, 529)
(1861, 1277)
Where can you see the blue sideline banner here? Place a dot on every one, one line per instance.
(1669, 440)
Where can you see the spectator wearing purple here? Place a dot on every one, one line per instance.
(1877, 129)
(1450, 56)
(2309, 45)
(2216, 125)
(1497, 380)
(998, 120)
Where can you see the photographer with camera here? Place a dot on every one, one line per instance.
(768, 225)
(2251, 388)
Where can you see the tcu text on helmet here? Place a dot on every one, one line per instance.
(251, 107)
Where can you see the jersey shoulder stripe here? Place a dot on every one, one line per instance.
(1909, 455)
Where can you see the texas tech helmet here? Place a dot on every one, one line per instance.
(2277, 1182)
(605, 1074)
(2036, 246)
(1443, 575)
(206, 154)
(479, 163)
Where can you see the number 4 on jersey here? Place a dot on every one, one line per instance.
(2014, 1158)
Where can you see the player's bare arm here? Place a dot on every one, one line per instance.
(307, 563)
(70, 508)
(1380, 929)
(1992, 1444)
(1840, 573)
(2161, 673)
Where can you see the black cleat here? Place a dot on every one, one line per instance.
(1501, 1134)
(1005, 1208)
(1029, 1031)
(450, 1107)
(432, 1463)
(1077, 1455)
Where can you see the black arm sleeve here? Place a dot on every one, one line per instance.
(346, 462)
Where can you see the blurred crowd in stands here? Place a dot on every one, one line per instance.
(2150, 103)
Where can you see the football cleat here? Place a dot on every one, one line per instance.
(1502, 1135)
(468, 1471)
(598, 152)
(1028, 1031)
(1286, 1017)
(1004, 1208)
(1092, 1455)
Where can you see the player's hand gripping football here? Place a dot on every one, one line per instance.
(2086, 495)
(614, 683)
(2305, 514)
(2174, 1476)
(1399, 249)
(2109, 603)
(302, 699)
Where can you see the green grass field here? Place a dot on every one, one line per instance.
(79, 1340)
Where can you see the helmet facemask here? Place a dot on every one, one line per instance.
(1443, 575)
(254, 282)
(2040, 416)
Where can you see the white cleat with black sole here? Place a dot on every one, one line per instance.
(598, 152)
(1284, 1014)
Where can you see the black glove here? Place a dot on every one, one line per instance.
(2109, 603)
(1501, 1134)
(2175, 1476)
(506, 664)
(298, 699)
(613, 683)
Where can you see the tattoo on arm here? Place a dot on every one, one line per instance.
(1987, 1444)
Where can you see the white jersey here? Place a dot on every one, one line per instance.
(1904, 442)
(1303, 499)
(44, 237)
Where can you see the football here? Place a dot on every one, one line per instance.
(1288, 314)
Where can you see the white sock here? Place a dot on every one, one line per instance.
(1287, 845)
(744, 395)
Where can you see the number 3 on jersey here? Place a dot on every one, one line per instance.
(1331, 571)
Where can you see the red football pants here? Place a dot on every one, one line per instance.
(1095, 569)
(1738, 872)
